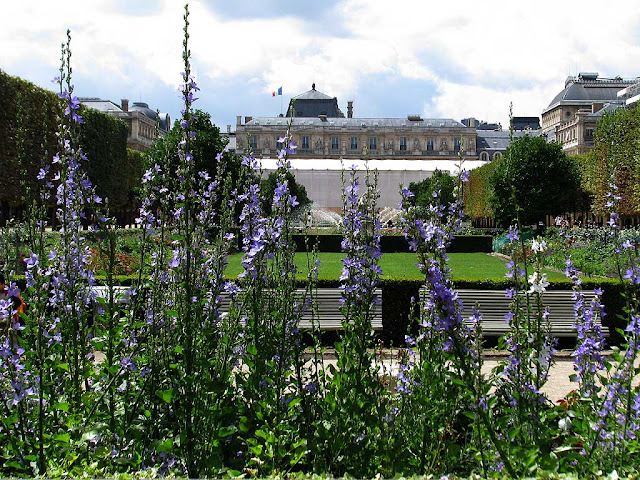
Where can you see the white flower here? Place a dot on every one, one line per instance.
(538, 283)
(565, 424)
(539, 246)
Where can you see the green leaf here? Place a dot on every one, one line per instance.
(224, 432)
(165, 446)
(62, 438)
(63, 366)
(256, 450)
(166, 395)
(244, 424)
(63, 406)
(293, 403)
(172, 313)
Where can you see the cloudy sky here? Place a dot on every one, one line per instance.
(451, 59)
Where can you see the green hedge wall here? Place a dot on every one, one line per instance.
(104, 141)
(477, 191)
(391, 243)
(35, 111)
(38, 120)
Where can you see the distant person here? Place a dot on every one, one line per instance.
(558, 221)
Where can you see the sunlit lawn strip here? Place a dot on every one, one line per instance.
(468, 266)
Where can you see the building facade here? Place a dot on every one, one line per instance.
(319, 135)
(140, 119)
(572, 115)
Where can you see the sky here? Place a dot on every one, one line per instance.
(440, 59)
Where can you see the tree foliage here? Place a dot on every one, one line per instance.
(477, 191)
(205, 147)
(616, 155)
(534, 179)
(28, 120)
(424, 190)
(268, 186)
(104, 141)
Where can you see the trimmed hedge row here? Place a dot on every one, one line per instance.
(28, 124)
(391, 243)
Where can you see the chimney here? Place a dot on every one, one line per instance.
(247, 119)
(228, 128)
(350, 109)
(125, 105)
(238, 120)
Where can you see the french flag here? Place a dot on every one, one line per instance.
(279, 92)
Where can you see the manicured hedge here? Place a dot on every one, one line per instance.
(33, 111)
(28, 124)
(332, 243)
(471, 244)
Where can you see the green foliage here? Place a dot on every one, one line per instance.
(40, 109)
(28, 121)
(206, 145)
(478, 191)
(207, 148)
(616, 153)
(440, 183)
(534, 179)
(104, 141)
(268, 187)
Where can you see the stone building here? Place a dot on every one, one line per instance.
(572, 115)
(403, 150)
(320, 130)
(140, 120)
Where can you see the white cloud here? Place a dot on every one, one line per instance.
(458, 101)
(480, 54)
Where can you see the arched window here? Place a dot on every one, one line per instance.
(497, 155)
(484, 156)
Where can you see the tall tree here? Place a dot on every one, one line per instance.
(533, 179)
(268, 188)
(440, 182)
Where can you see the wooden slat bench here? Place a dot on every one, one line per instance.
(328, 314)
(327, 301)
(493, 306)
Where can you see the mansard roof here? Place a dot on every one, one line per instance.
(363, 123)
(587, 88)
(499, 140)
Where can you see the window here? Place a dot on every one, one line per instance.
(403, 143)
(456, 144)
(497, 155)
(373, 143)
(430, 144)
(484, 156)
(253, 142)
(334, 143)
(305, 142)
(354, 143)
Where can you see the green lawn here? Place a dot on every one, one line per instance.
(470, 266)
